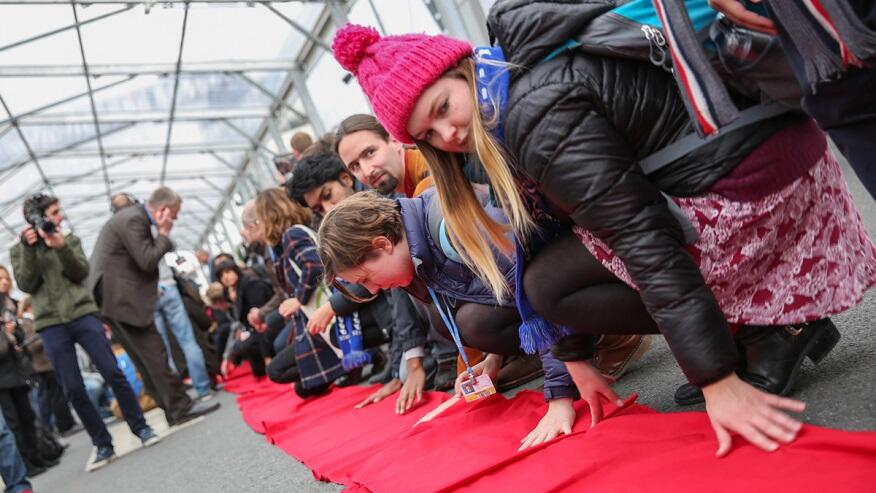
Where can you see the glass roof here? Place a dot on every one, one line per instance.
(205, 130)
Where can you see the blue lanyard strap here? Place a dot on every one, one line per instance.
(444, 311)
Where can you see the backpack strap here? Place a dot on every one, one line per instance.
(686, 145)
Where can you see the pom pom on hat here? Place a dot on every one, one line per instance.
(350, 45)
(394, 70)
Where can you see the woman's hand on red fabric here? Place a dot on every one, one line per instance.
(593, 387)
(735, 11)
(383, 392)
(412, 390)
(560, 418)
(735, 406)
(490, 366)
(289, 307)
(320, 319)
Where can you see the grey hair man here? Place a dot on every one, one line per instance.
(124, 280)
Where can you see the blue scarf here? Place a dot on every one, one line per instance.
(536, 333)
(349, 333)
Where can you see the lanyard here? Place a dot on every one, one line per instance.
(272, 254)
(444, 311)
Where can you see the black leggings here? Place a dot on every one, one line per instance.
(568, 286)
(282, 368)
(250, 350)
(20, 417)
(491, 329)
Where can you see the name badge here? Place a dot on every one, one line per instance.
(481, 388)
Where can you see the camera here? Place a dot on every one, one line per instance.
(35, 212)
(39, 221)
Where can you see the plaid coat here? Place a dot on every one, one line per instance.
(317, 363)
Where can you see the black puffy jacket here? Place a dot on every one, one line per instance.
(577, 126)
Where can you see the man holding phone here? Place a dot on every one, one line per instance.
(51, 266)
(124, 280)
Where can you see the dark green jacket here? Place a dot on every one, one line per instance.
(55, 278)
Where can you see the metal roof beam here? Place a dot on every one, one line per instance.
(199, 115)
(309, 105)
(86, 3)
(306, 54)
(298, 27)
(153, 150)
(182, 41)
(65, 28)
(59, 102)
(9, 171)
(102, 70)
(59, 181)
(106, 180)
(171, 176)
(248, 137)
(262, 89)
(27, 146)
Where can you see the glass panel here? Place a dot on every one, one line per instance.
(18, 22)
(202, 91)
(268, 36)
(11, 149)
(335, 96)
(20, 96)
(413, 17)
(134, 37)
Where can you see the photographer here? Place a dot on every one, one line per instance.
(52, 267)
(14, 373)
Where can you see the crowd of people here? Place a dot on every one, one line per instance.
(540, 207)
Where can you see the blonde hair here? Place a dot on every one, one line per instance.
(215, 292)
(276, 213)
(347, 233)
(25, 304)
(470, 228)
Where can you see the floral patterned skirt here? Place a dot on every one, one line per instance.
(797, 255)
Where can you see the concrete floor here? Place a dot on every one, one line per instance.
(221, 454)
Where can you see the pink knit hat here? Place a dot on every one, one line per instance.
(395, 70)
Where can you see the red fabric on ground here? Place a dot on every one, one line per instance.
(332, 438)
(472, 447)
(268, 402)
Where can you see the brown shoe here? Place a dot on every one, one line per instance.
(474, 357)
(517, 371)
(614, 354)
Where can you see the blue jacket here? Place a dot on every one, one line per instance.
(435, 266)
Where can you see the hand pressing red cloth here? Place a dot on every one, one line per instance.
(472, 447)
(676, 453)
(465, 442)
(635, 450)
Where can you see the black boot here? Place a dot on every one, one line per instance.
(33, 469)
(774, 354)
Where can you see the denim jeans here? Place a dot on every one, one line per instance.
(281, 341)
(171, 309)
(60, 341)
(12, 467)
(99, 395)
